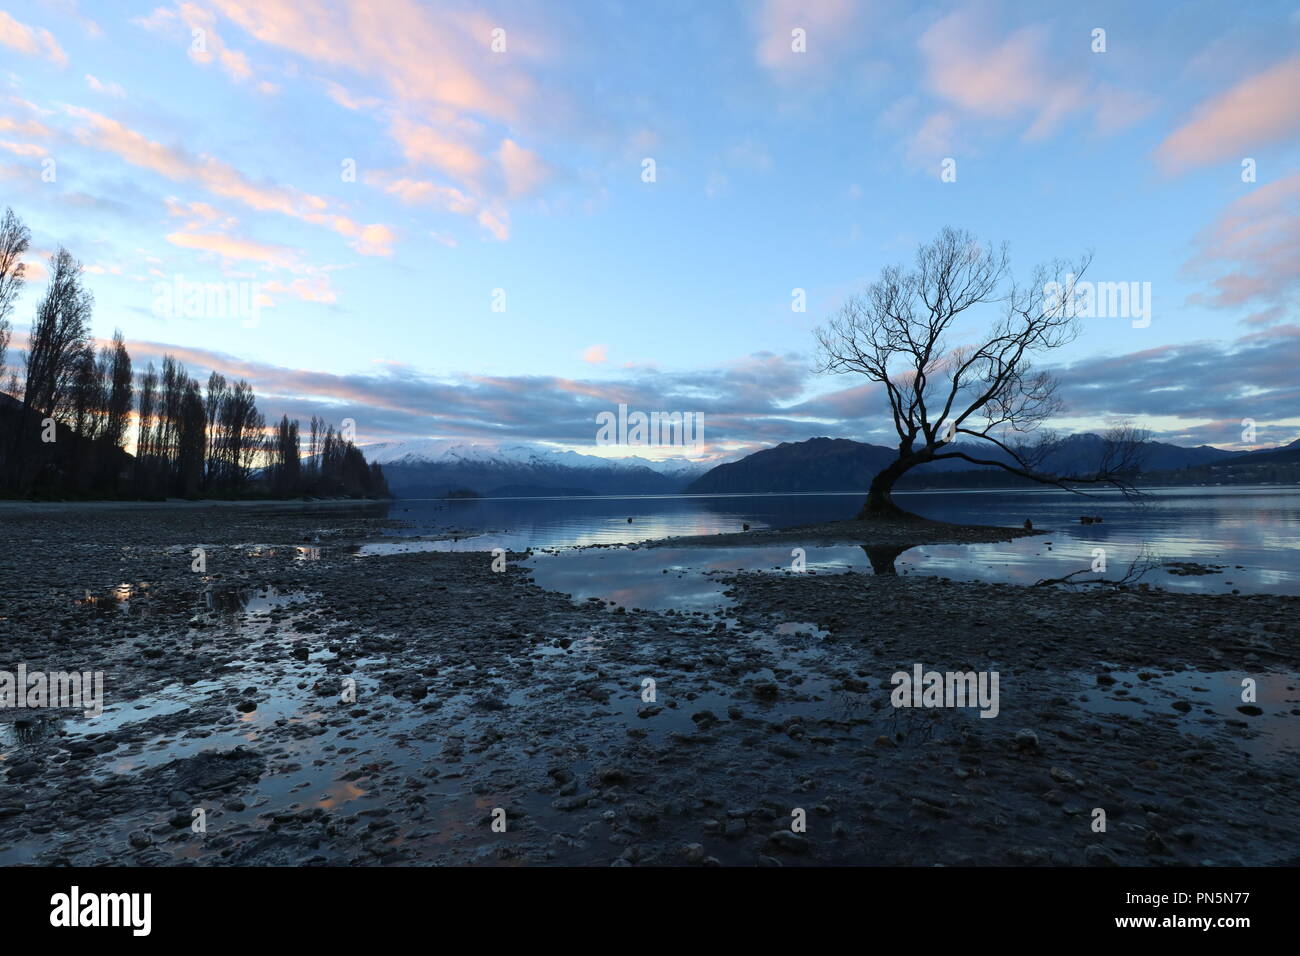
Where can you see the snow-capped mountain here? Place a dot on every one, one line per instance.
(433, 467)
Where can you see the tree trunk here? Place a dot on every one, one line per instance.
(880, 503)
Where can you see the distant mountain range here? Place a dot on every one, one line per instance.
(839, 464)
(818, 464)
(434, 468)
(1282, 455)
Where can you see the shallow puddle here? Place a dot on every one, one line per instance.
(1208, 702)
(684, 578)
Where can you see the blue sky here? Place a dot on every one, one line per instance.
(219, 155)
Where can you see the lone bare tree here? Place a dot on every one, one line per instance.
(898, 333)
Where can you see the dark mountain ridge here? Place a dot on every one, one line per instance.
(841, 464)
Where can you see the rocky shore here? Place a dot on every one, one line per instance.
(308, 705)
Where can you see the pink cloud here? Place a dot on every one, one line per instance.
(345, 98)
(1251, 251)
(204, 43)
(981, 77)
(224, 180)
(397, 41)
(422, 143)
(29, 150)
(28, 129)
(497, 222)
(419, 192)
(34, 270)
(316, 289)
(1260, 110)
(984, 77)
(525, 172)
(492, 216)
(375, 240)
(196, 211)
(231, 247)
(595, 354)
(30, 40)
(826, 24)
(445, 88)
(104, 87)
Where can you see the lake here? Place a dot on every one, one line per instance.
(1221, 539)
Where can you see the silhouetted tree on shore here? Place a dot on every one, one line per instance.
(286, 465)
(65, 428)
(339, 468)
(990, 394)
(14, 240)
(55, 360)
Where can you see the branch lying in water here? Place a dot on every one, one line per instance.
(1142, 565)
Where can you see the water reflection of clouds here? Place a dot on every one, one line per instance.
(1256, 528)
(1215, 698)
(635, 578)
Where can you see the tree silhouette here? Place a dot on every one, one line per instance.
(189, 441)
(899, 333)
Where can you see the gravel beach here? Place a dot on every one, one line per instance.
(295, 703)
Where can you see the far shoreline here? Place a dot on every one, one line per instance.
(110, 504)
(30, 504)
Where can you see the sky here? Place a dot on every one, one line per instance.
(493, 221)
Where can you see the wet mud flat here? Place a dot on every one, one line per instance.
(324, 708)
(902, 533)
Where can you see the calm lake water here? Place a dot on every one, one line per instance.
(1248, 537)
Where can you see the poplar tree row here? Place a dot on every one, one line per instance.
(67, 420)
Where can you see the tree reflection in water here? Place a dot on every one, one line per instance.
(882, 557)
